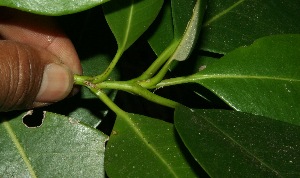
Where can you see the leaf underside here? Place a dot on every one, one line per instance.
(53, 8)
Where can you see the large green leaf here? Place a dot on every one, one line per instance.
(263, 78)
(53, 7)
(129, 19)
(236, 144)
(60, 147)
(233, 23)
(145, 147)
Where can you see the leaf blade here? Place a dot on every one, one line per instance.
(19, 147)
(181, 24)
(231, 143)
(132, 142)
(54, 7)
(163, 34)
(190, 35)
(243, 81)
(231, 24)
(128, 20)
(60, 147)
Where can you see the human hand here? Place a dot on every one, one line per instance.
(37, 61)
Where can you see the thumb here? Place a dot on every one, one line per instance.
(31, 77)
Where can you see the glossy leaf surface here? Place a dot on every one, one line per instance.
(263, 78)
(129, 19)
(234, 23)
(163, 34)
(53, 7)
(236, 144)
(145, 147)
(60, 147)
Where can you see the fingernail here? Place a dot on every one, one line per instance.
(56, 84)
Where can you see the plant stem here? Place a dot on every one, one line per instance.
(128, 86)
(109, 69)
(156, 65)
(81, 80)
(158, 77)
(138, 90)
(105, 99)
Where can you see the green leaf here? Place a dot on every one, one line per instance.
(231, 24)
(182, 12)
(60, 147)
(163, 34)
(236, 144)
(129, 19)
(53, 7)
(189, 36)
(263, 78)
(145, 147)
(88, 111)
(180, 23)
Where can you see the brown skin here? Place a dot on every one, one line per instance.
(37, 61)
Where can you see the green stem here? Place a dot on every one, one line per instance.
(138, 90)
(158, 77)
(81, 80)
(127, 86)
(178, 80)
(156, 65)
(105, 99)
(109, 69)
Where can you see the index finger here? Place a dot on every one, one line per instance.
(39, 31)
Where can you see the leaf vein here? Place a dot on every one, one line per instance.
(19, 147)
(129, 23)
(249, 77)
(140, 134)
(214, 18)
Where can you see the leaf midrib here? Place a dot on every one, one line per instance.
(198, 78)
(19, 147)
(224, 12)
(127, 31)
(258, 77)
(143, 138)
